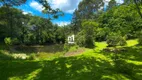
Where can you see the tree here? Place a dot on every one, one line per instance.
(121, 19)
(11, 26)
(9, 4)
(51, 13)
(111, 4)
(87, 35)
(86, 10)
(12, 2)
(137, 3)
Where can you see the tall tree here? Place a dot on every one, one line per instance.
(87, 9)
(111, 4)
(8, 4)
(51, 13)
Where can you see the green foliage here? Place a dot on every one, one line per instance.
(8, 41)
(90, 65)
(115, 39)
(66, 47)
(28, 29)
(111, 4)
(86, 37)
(15, 41)
(32, 57)
(140, 37)
(70, 47)
(73, 48)
(80, 39)
(123, 19)
(12, 2)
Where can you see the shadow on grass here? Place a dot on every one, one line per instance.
(70, 68)
(128, 69)
(74, 68)
(16, 68)
(5, 57)
(131, 53)
(122, 56)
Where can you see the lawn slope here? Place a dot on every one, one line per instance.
(93, 64)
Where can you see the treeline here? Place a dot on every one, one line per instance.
(114, 23)
(19, 28)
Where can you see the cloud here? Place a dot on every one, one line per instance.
(26, 12)
(117, 1)
(36, 6)
(67, 6)
(62, 23)
(120, 1)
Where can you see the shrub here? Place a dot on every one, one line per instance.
(89, 28)
(115, 39)
(73, 48)
(86, 38)
(8, 41)
(32, 57)
(66, 47)
(70, 47)
(15, 41)
(80, 39)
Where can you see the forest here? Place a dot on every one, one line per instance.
(107, 44)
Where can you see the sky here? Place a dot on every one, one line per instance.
(67, 6)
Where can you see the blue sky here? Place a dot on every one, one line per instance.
(67, 6)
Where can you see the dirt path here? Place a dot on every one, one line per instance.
(74, 53)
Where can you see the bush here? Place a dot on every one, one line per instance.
(73, 48)
(84, 40)
(32, 57)
(89, 31)
(15, 41)
(80, 39)
(115, 39)
(66, 47)
(70, 47)
(8, 41)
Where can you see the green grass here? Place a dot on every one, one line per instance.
(132, 42)
(100, 46)
(39, 52)
(93, 64)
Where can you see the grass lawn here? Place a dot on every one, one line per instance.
(92, 64)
